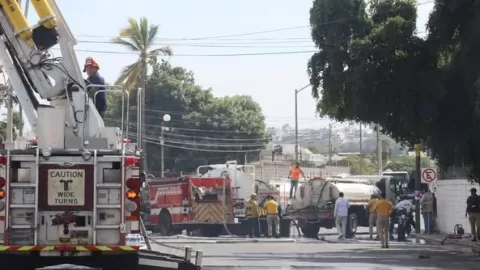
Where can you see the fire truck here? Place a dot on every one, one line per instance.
(190, 203)
(74, 197)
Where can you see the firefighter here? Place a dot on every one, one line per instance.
(91, 67)
(253, 212)
(273, 220)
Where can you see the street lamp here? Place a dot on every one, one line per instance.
(296, 119)
(166, 118)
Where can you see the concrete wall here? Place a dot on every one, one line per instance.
(451, 202)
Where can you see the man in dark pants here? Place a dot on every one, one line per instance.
(91, 67)
(252, 213)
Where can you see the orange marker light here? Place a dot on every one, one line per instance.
(131, 195)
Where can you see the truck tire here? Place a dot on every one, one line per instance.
(352, 225)
(165, 224)
(311, 231)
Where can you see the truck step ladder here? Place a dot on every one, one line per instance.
(22, 214)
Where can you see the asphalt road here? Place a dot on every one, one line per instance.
(332, 253)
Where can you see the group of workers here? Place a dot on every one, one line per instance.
(272, 211)
(382, 215)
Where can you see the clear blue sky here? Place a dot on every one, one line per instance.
(270, 79)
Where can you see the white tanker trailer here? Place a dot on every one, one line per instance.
(315, 200)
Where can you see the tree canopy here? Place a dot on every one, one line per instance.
(203, 129)
(373, 66)
(139, 37)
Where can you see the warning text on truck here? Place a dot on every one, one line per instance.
(66, 187)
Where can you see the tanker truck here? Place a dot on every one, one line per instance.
(315, 201)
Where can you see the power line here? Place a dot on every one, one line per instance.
(220, 37)
(212, 144)
(209, 44)
(180, 113)
(201, 55)
(233, 35)
(211, 138)
(209, 150)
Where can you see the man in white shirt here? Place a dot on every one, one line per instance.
(341, 213)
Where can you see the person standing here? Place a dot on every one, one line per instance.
(426, 203)
(383, 209)
(271, 207)
(252, 213)
(473, 211)
(294, 177)
(372, 216)
(97, 94)
(340, 213)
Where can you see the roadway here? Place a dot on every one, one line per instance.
(330, 253)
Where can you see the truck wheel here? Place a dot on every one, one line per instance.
(352, 224)
(165, 224)
(311, 231)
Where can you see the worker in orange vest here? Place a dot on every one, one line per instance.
(294, 177)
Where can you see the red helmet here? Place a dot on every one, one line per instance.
(90, 62)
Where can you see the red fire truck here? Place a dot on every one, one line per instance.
(190, 203)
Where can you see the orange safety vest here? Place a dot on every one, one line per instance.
(295, 175)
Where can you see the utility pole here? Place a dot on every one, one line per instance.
(143, 142)
(418, 181)
(166, 118)
(379, 151)
(330, 143)
(296, 119)
(361, 150)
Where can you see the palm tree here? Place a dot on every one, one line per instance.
(139, 37)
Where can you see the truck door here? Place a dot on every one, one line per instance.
(65, 204)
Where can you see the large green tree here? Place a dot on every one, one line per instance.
(372, 67)
(225, 128)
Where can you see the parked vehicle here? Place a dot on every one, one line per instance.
(315, 201)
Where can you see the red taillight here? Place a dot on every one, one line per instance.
(127, 141)
(133, 183)
(131, 161)
(3, 160)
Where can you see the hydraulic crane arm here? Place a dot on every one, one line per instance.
(31, 68)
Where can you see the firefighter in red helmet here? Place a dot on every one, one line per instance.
(91, 67)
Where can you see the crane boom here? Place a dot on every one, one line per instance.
(32, 69)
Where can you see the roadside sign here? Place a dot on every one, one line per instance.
(429, 175)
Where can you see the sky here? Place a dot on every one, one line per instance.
(269, 79)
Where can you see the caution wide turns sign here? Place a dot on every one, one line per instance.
(66, 187)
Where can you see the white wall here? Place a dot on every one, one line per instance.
(451, 204)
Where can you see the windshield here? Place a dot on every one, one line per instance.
(401, 181)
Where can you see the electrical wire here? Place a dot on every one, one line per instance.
(201, 55)
(220, 37)
(207, 150)
(218, 117)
